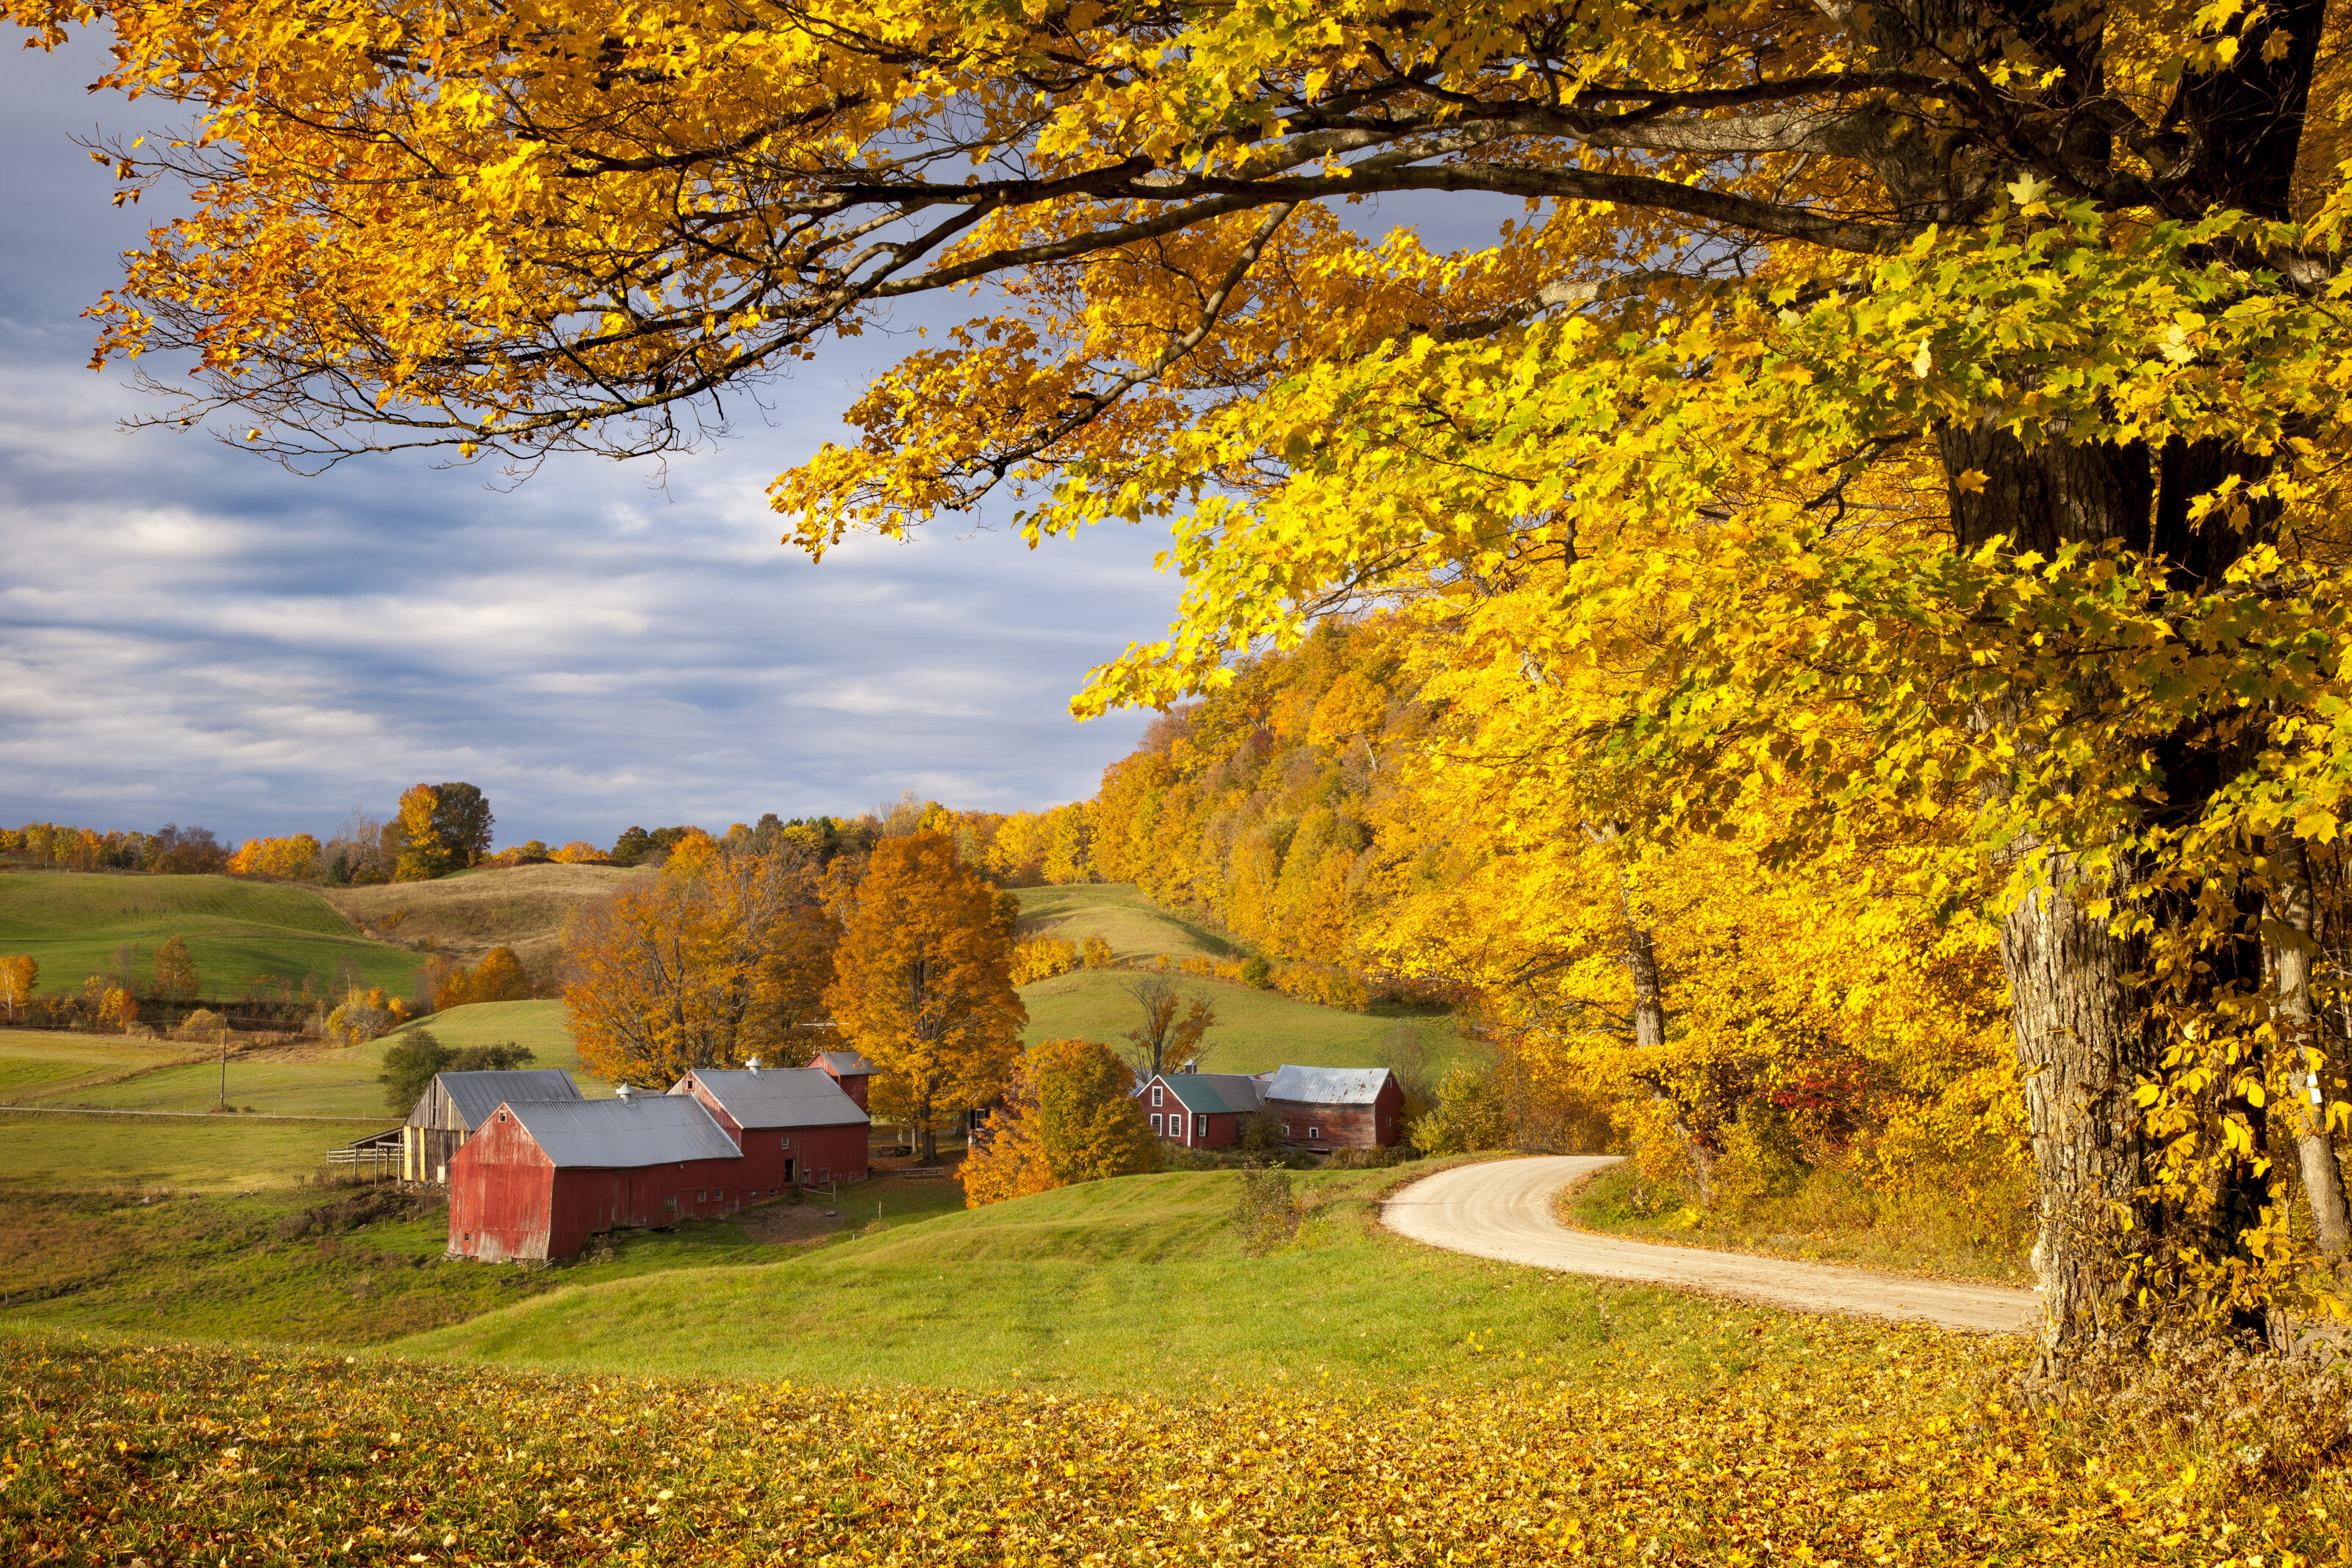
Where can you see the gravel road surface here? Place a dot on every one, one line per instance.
(1503, 1210)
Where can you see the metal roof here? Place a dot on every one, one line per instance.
(1214, 1092)
(643, 1130)
(777, 1097)
(1326, 1085)
(475, 1095)
(847, 1063)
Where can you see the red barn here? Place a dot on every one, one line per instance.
(850, 1069)
(538, 1177)
(1201, 1109)
(796, 1125)
(1336, 1107)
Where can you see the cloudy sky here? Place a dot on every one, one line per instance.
(190, 634)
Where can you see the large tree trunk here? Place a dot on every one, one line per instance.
(2292, 946)
(1640, 958)
(2080, 1045)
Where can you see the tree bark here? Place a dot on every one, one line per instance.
(1641, 960)
(2292, 946)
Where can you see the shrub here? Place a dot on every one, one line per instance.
(1042, 958)
(1356, 1159)
(412, 1059)
(202, 1024)
(1258, 973)
(1470, 1116)
(1266, 1211)
(1096, 953)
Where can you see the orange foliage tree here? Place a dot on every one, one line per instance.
(706, 967)
(499, 977)
(922, 984)
(1070, 1116)
(20, 976)
(286, 860)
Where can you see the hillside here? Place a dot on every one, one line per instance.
(74, 923)
(1255, 1029)
(471, 913)
(1130, 1284)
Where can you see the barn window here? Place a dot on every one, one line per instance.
(1156, 1092)
(502, 1115)
(719, 1193)
(702, 1195)
(1200, 1127)
(787, 1143)
(1155, 1125)
(1314, 1132)
(670, 1203)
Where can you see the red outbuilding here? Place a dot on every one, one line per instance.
(1336, 1107)
(1201, 1109)
(538, 1177)
(796, 1125)
(850, 1069)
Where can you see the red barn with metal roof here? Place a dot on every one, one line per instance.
(538, 1177)
(850, 1069)
(796, 1125)
(1201, 1109)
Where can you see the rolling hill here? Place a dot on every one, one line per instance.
(74, 923)
(1255, 1029)
(467, 915)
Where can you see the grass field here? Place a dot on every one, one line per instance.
(1137, 1283)
(1255, 1029)
(73, 923)
(300, 1078)
(470, 912)
(53, 1152)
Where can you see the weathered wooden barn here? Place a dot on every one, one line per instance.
(1336, 1107)
(796, 1125)
(538, 1177)
(455, 1104)
(1201, 1109)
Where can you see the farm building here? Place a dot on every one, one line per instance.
(796, 1125)
(850, 1069)
(1336, 1107)
(538, 1177)
(1201, 1109)
(455, 1104)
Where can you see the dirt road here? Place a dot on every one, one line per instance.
(1504, 1210)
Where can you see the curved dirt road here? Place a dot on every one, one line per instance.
(1504, 1210)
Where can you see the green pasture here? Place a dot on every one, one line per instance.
(38, 1064)
(1135, 1284)
(1255, 1029)
(1121, 915)
(69, 1152)
(538, 1025)
(72, 923)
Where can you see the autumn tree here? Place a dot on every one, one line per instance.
(499, 977)
(703, 968)
(1970, 378)
(923, 985)
(1070, 1116)
(20, 976)
(173, 979)
(1175, 1028)
(445, 828)
(286, 860)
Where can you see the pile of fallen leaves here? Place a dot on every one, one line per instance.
(1871, 1447)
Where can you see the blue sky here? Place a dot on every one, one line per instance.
(191, 634)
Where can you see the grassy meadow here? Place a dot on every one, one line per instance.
(1255, 1029)
(73, 923)
(49, 1153)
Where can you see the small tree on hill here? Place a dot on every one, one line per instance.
(1171, 1033)
(19, 976)
(1470, 1116)
(922, 984)
(174, 974)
